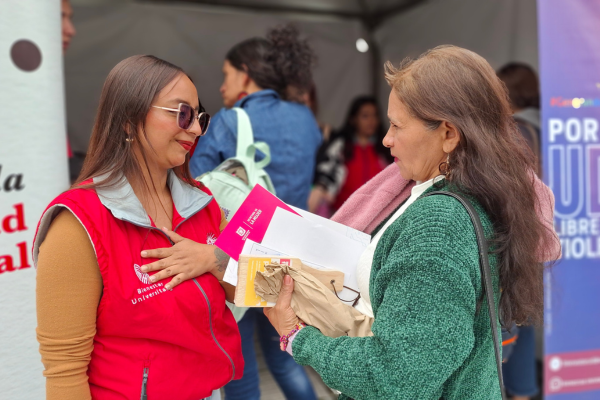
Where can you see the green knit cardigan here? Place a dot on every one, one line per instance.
(429, 340)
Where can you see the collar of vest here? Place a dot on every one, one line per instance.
(124, 204)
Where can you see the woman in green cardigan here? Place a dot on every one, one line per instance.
(451, 128)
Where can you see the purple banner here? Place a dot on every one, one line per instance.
(569, 33)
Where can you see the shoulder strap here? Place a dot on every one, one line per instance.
(246, 147)
(486, 274)
(245, 136)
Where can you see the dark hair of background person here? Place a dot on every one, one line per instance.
(127, 95)
(311, 99)
(281, 61)
(348, 131)
(522, 84)
(491, 162)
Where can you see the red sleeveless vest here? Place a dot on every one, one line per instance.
(151, 342)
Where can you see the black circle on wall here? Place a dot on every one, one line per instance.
(26, 55)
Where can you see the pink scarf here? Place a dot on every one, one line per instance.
(366, 208)
(370, 205)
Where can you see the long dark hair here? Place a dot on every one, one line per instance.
(281, 61)
(491, 162)
(348, 131)
(127, 95)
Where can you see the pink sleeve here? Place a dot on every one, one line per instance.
(289, 346)
(550, 247)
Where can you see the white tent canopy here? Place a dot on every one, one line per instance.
(197, 34)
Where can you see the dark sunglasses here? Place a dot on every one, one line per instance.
(186, 116)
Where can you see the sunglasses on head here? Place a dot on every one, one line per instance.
(186, 116)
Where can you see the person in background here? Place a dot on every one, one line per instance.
(68, 29)
(311, 100)
(262, 75)
(68, 32)
(524, 94)
(359, 145)
(520, 373)
(329, 170)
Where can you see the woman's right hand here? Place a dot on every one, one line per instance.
(282, 316)
(185, 260)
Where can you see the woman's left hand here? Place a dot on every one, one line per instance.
(185, 260)
(282, 316)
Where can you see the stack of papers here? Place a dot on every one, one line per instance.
(266, 226)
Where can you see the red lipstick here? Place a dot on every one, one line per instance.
(186, 145)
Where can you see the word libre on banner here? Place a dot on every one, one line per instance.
(573, 165)
(571, 168)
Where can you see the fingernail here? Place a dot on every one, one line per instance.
(165, 229)
(169, 288)
(152, 279)
(144, 253)
(144, 268)
(287, 279)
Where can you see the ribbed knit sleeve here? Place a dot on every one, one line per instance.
(424, 288)
(69, 287)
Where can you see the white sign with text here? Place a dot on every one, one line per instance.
(33, 170)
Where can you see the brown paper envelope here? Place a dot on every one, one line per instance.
(245, 294)
(313, 301)
(325, 276)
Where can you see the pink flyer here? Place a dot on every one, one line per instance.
(250, 221)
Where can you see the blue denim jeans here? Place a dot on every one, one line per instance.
(291, 377)
(520, 370)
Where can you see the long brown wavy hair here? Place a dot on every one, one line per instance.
(492, 162)
(127, 95)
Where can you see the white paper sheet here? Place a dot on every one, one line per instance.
(316, 244)
(255, 249)
(251, 249)
(335, 226)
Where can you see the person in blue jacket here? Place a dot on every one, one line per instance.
(267, 78)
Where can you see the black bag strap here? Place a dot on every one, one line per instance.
(486, 274)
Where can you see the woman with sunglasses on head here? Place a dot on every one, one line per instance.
(107, 329)
(267, 78)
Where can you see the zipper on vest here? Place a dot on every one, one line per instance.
(212, 332)
(208, 304)
(144, 395)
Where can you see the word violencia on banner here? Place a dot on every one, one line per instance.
(11, 223)
(573, 157)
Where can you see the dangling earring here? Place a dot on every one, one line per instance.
(444, 167)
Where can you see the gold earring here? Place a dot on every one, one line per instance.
(130, 140)
(444, 166)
